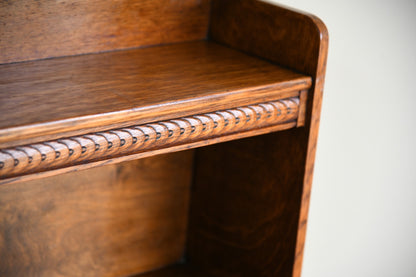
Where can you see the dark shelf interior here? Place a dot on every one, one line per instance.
(177, 270)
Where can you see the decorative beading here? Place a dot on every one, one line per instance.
(103, 145)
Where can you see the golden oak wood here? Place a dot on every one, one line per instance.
(143, 138)
(170, 149)
(51, 99)
(245, 206)
(298, 41)
(249, 198)
(33, 29)
(109, 221)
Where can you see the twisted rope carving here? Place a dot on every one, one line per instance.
(97, 146)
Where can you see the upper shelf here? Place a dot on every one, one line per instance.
(53, 98)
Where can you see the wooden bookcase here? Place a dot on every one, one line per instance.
(157, 137)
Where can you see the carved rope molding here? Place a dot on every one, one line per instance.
(103, 145)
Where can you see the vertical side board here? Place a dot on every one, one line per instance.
(253, 196)
(245, 206)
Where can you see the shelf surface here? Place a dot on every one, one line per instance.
(53, 98)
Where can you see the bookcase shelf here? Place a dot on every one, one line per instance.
(157, 138)
(71, 95)
(67, 111)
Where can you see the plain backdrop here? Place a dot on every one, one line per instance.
(362, 218)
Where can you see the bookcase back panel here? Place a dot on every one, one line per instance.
(36, 29)
(116, 220)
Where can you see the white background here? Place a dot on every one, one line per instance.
(362, 220)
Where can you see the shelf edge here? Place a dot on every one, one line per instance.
(94, 149)
(34, 133)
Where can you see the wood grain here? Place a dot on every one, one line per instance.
(97, 146)
(33, 29)
(51, 99)
(250, 197)
(245, 206)
(171, 149)
(298, 41)
(278, 34)
(117, 220)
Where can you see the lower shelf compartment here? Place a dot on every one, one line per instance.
(178, 270)
(226, 208)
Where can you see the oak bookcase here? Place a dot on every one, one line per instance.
(157, 137)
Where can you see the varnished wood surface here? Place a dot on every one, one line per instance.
(117, 220)
(98, 146)
(293, 39)
(245, 206)
(187, 146)
(278, 34)
(33, 29)
(250, 200)
(56, 98)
